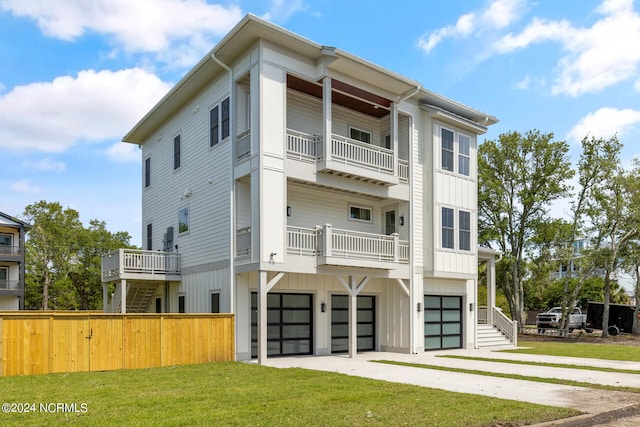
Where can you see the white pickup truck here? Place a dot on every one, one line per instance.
(550, 319)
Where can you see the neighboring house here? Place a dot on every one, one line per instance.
(328, 202)
(579, 246)
(12, 267)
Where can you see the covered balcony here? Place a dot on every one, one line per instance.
(11, 287)
(333, 246)
(140, 265)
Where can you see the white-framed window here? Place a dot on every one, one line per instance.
(147, 172)
(464, 230)
(215, 302)
(150, 237)
(454, 144)
(183, 220)
(360, 213)
(219, 122)
(176, 152)
(448, 228)
(360, 135)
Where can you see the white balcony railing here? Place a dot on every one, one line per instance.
(310, 148)
(243, 146)
(124, 261)
(332, 242)
(10, 285)
(243, 241)
(11, 250)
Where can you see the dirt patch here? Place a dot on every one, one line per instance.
(581, 337)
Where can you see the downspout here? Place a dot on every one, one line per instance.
(232, 225)
(412, 253)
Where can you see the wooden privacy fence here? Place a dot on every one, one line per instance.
(47, 342)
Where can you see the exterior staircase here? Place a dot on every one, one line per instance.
(490, 336)
(138, 298)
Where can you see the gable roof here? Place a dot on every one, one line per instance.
(251, 29)
(11, 221)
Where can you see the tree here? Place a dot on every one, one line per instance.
(614, 223)
(519, 177)
(49, 249)
(63, 258)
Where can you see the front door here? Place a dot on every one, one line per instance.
(389, 222)
(366, 326)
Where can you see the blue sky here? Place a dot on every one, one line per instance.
(76, 75)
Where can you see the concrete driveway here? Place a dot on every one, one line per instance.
(595, 403)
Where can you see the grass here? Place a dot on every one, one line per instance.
(242, 394)
(586, 350)
(547, 364)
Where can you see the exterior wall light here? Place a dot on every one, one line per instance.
(288, 210)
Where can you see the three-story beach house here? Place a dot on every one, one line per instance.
(12, 267)
(328, 202)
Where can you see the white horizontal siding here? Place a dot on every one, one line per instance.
(197, 289)
(9, 303)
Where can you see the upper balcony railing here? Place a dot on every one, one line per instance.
(243, 146)
(334, 243)
(243, 242)
(310, 148)
(11, 285)
(134, 261)
(11, 250)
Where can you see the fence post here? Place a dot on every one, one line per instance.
(396, 247)
(328, 237)
(1, 341)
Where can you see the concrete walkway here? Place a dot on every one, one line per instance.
(590, 401)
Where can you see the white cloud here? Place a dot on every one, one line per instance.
(24, 186)
(499, 14)
(93, 106)
(121, 152)
(282, 10)
(46, 165)
(136, 26)
(605, 123)
(596, 57)
(524, 83)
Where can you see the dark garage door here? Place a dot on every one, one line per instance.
(442, 322)
(340, 323)
(289, 324)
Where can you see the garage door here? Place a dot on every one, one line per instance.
(340, 323)
(289, 324)
(442, 322)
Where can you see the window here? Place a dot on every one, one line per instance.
(158, 305)
(360, 135)
(447, 228)
(176, 152)
(219, 122)
(358, 213)
(183, 220)
(464, 158)
(147, 172)
(454, 145)
(149, 237)
(225, 119)
(215, 302)
(181, 301)
(387, 142)
(447, 150)
(5, 243)
(214, 124)
(464, 224)
(4, 278)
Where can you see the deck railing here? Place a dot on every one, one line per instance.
(333, 242)
(11, 250)
(310, 148)
(10, 285)
(243, 145)
(140, 261)
(243, 241)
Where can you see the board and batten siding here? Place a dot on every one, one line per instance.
(204, 174)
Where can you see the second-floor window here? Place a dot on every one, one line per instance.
(176, 152)
(448, 228)
(147, 172)
(447, 150)
(219, 122)
(149, 237)
(360, 135)
(183, 220)
(464, 230)
(6, 241)
(359, 213)
(464, 156)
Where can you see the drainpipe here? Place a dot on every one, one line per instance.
(418, 89)
(232, 227)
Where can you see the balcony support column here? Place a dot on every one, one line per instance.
(396, 247)
(393, 127)
(326, 117)
(105, 297)
(491, 289)
(264, 287)
(353, 291)
(328, 237)
(123, 296)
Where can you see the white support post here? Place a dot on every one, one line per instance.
(394, 136)
(328, 237)
(353, 319)
(262, 317)
(105, 297)
(326, 117)
(491, 289)
(396, 247)
(123, 296)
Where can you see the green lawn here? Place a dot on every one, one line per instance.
(239, 394)
(588, 350)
